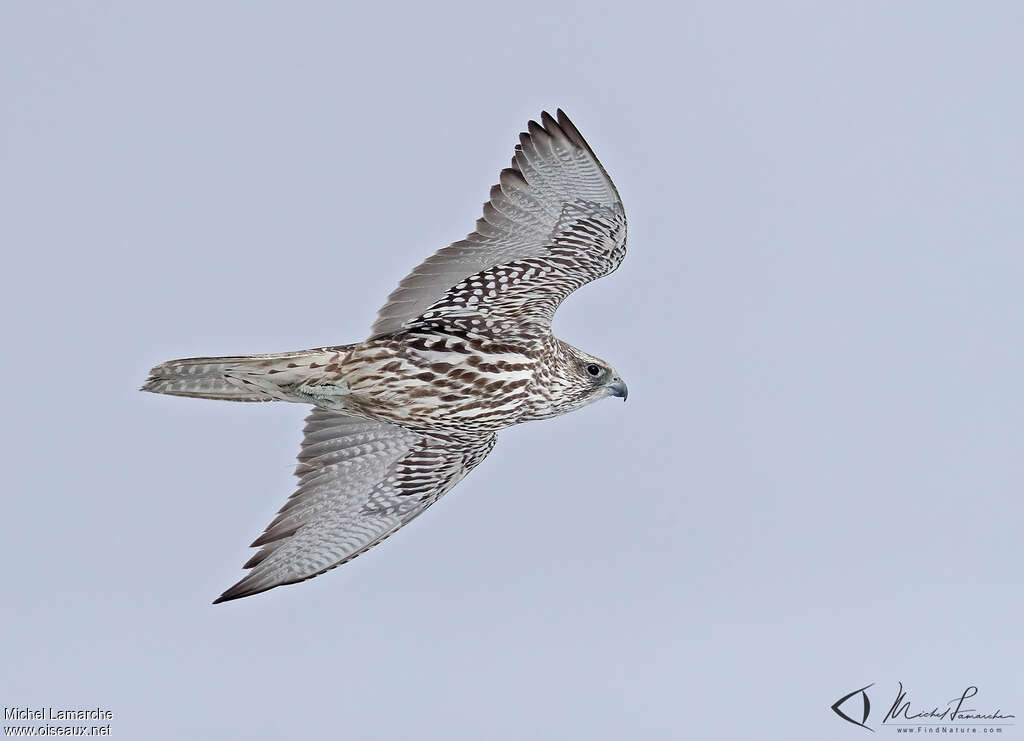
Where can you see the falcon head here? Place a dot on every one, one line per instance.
(581, 379)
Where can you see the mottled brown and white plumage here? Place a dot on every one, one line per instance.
(462, 348)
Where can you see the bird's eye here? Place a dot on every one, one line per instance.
(593, 370)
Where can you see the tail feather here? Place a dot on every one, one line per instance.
(220, 378)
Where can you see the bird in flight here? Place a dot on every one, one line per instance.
(462, 348)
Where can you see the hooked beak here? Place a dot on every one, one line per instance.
(618, 388)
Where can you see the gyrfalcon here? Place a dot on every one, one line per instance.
(462, 348)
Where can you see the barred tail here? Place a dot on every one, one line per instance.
(218, 378)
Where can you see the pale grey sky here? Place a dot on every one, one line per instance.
(816, 482)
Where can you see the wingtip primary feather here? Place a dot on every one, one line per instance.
(239, 590)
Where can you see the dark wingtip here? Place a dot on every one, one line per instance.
(228, 598)
(237, 592)
(573, 133)
(244, 589)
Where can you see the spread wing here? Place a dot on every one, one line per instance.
(553, 223)
(359, 481)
